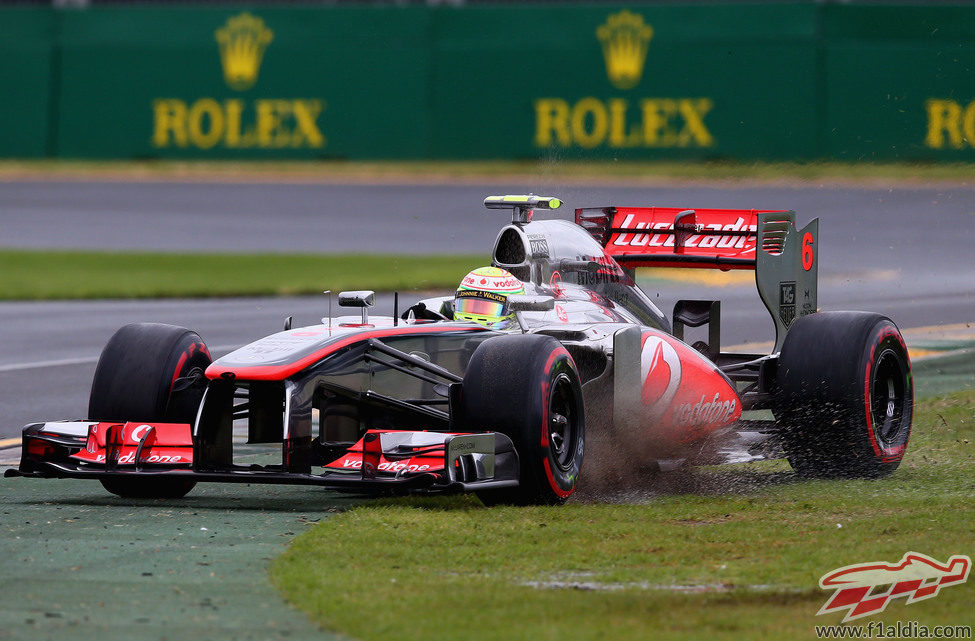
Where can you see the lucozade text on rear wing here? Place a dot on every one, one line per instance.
(785, 260)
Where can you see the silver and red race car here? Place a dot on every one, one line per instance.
(423, 403)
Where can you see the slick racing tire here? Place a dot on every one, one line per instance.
(527, 387)
(845, 395)
(153, 373)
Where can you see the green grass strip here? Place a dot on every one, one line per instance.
(430, 170)
(39, 275)
(732, 552)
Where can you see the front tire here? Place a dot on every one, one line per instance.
(845, 395)
(149, 372)
(527, 386)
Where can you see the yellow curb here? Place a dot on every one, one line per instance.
(956, 332)
(763, 347)
(712, 277)
(910, 335)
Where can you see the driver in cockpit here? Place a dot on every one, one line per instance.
(481, 297)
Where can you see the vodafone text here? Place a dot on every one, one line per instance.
(152, 458)
(705, 412)
(389, 467)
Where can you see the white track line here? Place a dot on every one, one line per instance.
(16, 367)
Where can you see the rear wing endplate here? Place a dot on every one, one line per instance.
(785, 260)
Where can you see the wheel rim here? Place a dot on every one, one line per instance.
(563, 424)
(887, 396)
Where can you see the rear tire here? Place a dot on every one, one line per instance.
(153, 373)
(527, 387)
(845, 395)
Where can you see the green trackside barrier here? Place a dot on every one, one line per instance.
(27, 71)
(786, 80)
(900, 82)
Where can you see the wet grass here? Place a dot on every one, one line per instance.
(44, 275)
(731, 552)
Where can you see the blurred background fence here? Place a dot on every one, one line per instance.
(771, 81)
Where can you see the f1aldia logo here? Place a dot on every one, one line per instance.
(863, 589)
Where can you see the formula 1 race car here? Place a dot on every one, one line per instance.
(420, 402)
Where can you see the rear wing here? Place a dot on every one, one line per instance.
(785, 260)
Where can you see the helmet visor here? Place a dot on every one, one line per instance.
(479, 307)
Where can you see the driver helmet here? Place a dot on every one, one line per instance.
(482, 296)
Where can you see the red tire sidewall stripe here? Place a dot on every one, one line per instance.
(549, 366)
(551, 481)
(888, 455)
(179, 367)
(185, 356)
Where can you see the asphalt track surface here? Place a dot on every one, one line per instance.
(908, 248)
(902, 251)
(78, 563)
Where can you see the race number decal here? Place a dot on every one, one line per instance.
(807, 251)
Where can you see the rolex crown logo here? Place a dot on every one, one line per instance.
(625, 38)
(242, 43)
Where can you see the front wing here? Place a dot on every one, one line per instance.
(381, 462)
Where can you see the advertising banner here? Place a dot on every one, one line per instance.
(748, 81)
